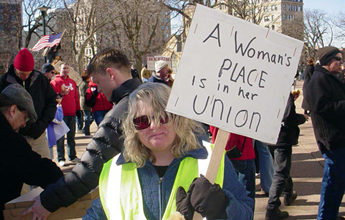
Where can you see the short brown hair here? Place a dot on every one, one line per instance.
(109, 57)
(311, 61)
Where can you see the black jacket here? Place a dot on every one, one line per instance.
(325, 95)
(308, 73)
(105, 144)
(19, 164)
(42, 94)
(289, 131)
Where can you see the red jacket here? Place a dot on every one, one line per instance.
(237, 140)
(70, 103)
(101, 102)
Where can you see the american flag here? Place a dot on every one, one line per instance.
(47, 41)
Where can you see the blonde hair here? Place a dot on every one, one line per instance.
(156, 96)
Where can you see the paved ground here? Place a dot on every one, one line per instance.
(307, 170)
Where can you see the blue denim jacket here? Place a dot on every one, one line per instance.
(240, 206)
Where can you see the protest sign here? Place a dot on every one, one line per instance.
(152, 60)
(235, 75)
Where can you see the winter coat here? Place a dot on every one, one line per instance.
(308, 73)
(97, 100)
(244, 144)
(156, 78)
(43, 95)
(82, 95)
(325, 94)
(239, 207)
(105, 144)
(19, 164)
(70, 103)
(289, 131)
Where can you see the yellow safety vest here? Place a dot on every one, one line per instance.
(124, 194)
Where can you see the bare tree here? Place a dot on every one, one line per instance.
(339, 24)
(32, 19)
(141, 28)
(82, 20)
(250, 10)
(317, 31)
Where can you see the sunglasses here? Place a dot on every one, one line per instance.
(338, 58)
(143, 122)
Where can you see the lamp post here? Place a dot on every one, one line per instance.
(44, 10)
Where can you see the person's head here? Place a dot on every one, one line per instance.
(85, 76)
(23, 64)
(133, 67)
(311, 61)
(17, 106)
(64, 70)
(109, 68)
(145, 66)
(48, 70)
(149, 130)
(331, 59)
(162, 68)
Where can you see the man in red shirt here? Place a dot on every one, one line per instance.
(65, 87)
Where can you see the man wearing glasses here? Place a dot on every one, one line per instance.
(49, 71)
(22, 72)
(325, 96)
(18, 163)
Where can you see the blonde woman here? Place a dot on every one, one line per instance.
(158, 172)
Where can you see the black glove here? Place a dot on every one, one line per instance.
(183, 205)
(78, 113)
(208, 199)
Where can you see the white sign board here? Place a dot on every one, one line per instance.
(235, 75)
(152, 60)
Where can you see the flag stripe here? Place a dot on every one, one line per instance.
(47, 41)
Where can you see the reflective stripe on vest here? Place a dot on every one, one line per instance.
(124, 194)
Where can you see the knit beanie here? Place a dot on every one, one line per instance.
(19, 96)
(160, 65)
(24, 61)
(47, 67)
(325, 54)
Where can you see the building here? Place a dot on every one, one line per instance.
(10, 27)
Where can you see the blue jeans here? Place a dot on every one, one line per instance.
(282, 182)
(245, 170)
(80, 122)
(98, 116)
(333, 184)
(266, 166)
(87, 120)
(70, 122)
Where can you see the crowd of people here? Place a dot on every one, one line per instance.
(148, 162)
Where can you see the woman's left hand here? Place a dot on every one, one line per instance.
(205, 198)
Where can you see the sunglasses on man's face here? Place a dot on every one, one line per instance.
(338, 58)
(143, 122)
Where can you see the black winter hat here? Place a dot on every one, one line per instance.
(47, 67)
(325, 54)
